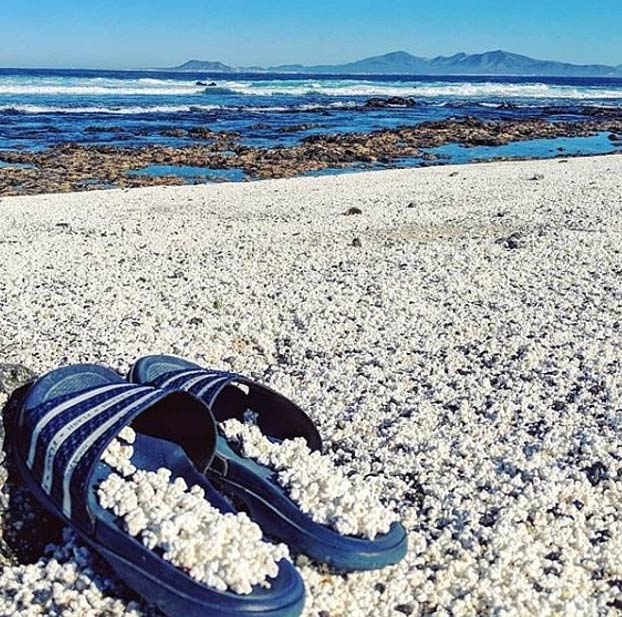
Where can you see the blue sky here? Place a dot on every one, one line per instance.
(143, 33)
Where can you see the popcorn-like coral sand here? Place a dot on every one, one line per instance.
(222, 551)
(350, 505)
(458, 343)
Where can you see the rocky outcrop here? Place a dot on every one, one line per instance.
(73, 167)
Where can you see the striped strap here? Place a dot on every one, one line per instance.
(67, 435)
(205, 385)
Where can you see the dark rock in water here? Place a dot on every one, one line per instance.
(377, 102)
(353, 210)
(614, 137)
(212, 84)
(201, 132)
(298, 128)
(174, 132)
(14, 376)
(103, 129)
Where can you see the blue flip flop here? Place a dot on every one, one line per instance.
(253, 484)
(63, 425)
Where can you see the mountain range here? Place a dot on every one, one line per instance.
(497, 62)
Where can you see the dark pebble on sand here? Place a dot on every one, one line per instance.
(489, 518)
(596, 473)
(353, 210)
(406, 609)
(511, 242)
(357, 243)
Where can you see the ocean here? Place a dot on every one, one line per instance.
(42, 108)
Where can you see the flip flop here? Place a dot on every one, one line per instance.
(245, 480)
(64, 424)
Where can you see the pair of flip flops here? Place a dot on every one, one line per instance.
(68, 419)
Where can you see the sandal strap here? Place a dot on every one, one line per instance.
(66, 436)
(277, 416)
(201, 383)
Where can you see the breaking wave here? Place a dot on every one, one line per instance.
(100, 87)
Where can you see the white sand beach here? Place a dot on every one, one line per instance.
(458, 341)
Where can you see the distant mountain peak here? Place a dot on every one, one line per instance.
(397, 55)
(203, 65)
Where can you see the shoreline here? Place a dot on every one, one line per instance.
(74, 167)
(368, 175)
(455, 333)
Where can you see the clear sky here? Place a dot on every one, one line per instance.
(147, 33)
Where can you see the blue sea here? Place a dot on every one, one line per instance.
(41, 108)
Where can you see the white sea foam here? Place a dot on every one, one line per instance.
(165, 109)
(130, 110)
(301, 87)
(96, 90)
(463, 89)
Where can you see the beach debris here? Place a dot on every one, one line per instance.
(352, 506)
(222, 551)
